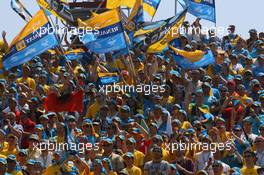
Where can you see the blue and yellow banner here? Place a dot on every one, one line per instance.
(34, 39)
(204, 9)
(108, 78)
(135, 17)
(74, 54)
(107, 33)
(150, 7)
(44, 4)
(160, 38)
(194, 59)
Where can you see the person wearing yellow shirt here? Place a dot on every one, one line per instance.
(12, 146)
(3, 143)
(249, 167)
(55, 67)
(130, 167)
(11, 165)
(157, 140)
(26, 79)
(94, 108)
(138, 155)
(114, 64)
(43, 83)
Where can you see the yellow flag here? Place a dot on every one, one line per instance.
(101, 20)
(112, 4)
(193, 56)
(45, 5)
(173, 25)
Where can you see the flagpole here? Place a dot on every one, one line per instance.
(215, 13)
(131, 64)
(176, 6)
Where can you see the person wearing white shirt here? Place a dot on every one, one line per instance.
(259, 144)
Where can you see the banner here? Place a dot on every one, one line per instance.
(74, 54)
(33, 40)
(150, 7)
(192, 60)
(204, 9)
(159, 39)
(135, 17)
(108, 78)
(19, 8)
(107, 33)
(44, 4)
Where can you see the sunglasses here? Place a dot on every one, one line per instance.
(248, 156)
(87, 126)
(258, 141)
(105, 145)
(110, 128)
(215, 166)
(237, 130)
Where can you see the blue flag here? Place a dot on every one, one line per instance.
(207, 59)
(33, 40)
(109, 35)
(204, 9)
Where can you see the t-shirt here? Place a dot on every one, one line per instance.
(30, 82)
(92, 110)
(249, 171)
(133, 170)
(138, 158)
(161, 168)
(53, 169)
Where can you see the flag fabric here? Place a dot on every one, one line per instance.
(107, 35)
(108, 78)
(160, 38)
(204, 9)
(147, 28)
(135, 17)
(150, 7)
(33, 40)
(68, 103)
(193, 60)
(19, 8)
(74, 54)
(112, 4)
(44, 5)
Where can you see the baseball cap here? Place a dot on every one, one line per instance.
(11, 157)
(34, 137)
(252, 31)
(3, 161)
(129, 155)
(125, 108)
(131, 140)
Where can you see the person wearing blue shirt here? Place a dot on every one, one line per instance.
(259, 65)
